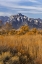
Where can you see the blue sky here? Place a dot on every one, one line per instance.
(30, 8)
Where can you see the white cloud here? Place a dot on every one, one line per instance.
(26, 7)
(34, 1)
(14, 5)
(10, 0)
(5, 14)
(31, 11)
(8, 4)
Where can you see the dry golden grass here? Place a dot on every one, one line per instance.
(24, 44)
(32, 43)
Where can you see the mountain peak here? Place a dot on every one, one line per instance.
(19, 14)
(18, 20)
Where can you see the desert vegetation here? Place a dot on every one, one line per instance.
(23, 46)
(21, 31)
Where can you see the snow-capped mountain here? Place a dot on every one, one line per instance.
(16, 21)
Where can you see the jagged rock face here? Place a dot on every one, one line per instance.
(16, 21)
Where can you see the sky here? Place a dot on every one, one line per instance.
(30, 8)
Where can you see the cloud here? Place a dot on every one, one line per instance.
(28, 9)
(13, 5)
(31, 11)
(10, 0)
(17, 7)
(18, 1)
(34, 1)
(5, 14)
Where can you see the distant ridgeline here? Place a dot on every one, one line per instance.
(16, 21)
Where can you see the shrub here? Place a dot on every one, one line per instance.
(4, 56)
(24, 29)
(14, 60)
(12, 32)
(34, 30)
(23, 59)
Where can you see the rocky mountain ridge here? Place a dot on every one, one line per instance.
(16, 21)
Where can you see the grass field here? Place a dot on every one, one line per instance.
(26, 45)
